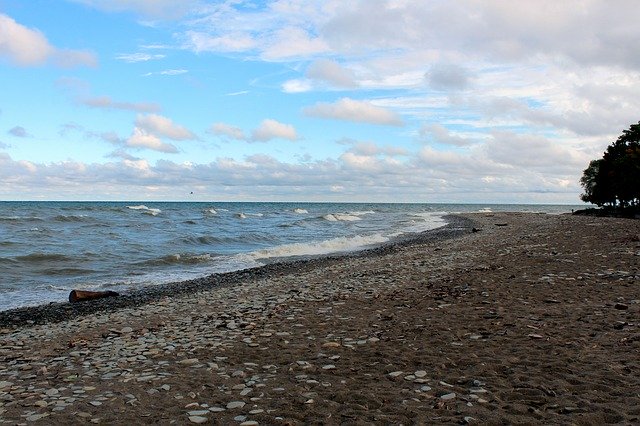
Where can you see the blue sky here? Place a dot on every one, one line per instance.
(291, 100)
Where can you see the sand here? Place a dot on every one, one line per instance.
(532, 320)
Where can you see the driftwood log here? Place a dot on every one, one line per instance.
(82, 295)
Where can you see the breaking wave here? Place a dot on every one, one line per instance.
(335, 245)
(146, 210)
(341, 217)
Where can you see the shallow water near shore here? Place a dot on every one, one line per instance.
(50, 248)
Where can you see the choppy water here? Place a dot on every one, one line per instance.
(50, 248)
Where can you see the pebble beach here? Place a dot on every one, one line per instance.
(498, 318)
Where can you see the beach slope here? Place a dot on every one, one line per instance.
(533, 319)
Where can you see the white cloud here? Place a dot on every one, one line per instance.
(291, 42)
(167, 72)
(297, 86)
(267, 130)
(107, 103)
(142, 139)
(161, 126)
(447, 77)
(331, 72)
(29, 47)
(272, 129)
(139, 57)
(223, 129)
(354, 110)
(440, 134)
(202, 42)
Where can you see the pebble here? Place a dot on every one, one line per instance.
(448, 396)
(420, 374)
(197, 419)
(235, 404)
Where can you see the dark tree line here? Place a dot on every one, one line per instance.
(613, 181)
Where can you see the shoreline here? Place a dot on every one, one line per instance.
(533, 319)
(60, 311)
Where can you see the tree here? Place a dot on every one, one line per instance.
(614, 180)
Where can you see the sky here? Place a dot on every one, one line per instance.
(441, 101)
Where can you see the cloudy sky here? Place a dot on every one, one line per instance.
(312, 100)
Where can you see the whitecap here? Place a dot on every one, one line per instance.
(139, 207)
(340, 217)
(300, 211)
(336, 245)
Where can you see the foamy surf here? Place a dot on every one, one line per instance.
(316, 248)
(146, 210)
(341, 217)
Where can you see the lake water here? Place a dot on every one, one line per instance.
(50, 248)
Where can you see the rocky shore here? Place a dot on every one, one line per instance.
(533, 319)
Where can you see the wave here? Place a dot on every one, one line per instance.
(485, 210)
(211, 211)
(301, 211)
(18, 218)
(428, 221)
(246, 215)
(341, 217)
(43, 257)
(335, 245)
(70, 218)
(178, 259)
(146, 210)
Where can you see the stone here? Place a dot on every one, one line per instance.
(198, 412)
(235, 404)
(420, 374)
(197, 419)
(52, 392)
(395, 373)
(448, 396)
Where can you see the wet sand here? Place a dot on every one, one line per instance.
(532, 320)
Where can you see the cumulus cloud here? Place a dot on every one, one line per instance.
(106, 102)
(272, 129)
(29, 47)
(333, 73)
(440, 134)
(232, 132)
(18, 132)
(143, 139)
(267, 130)
(353, 110)
(161, 126)
(448, 77)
